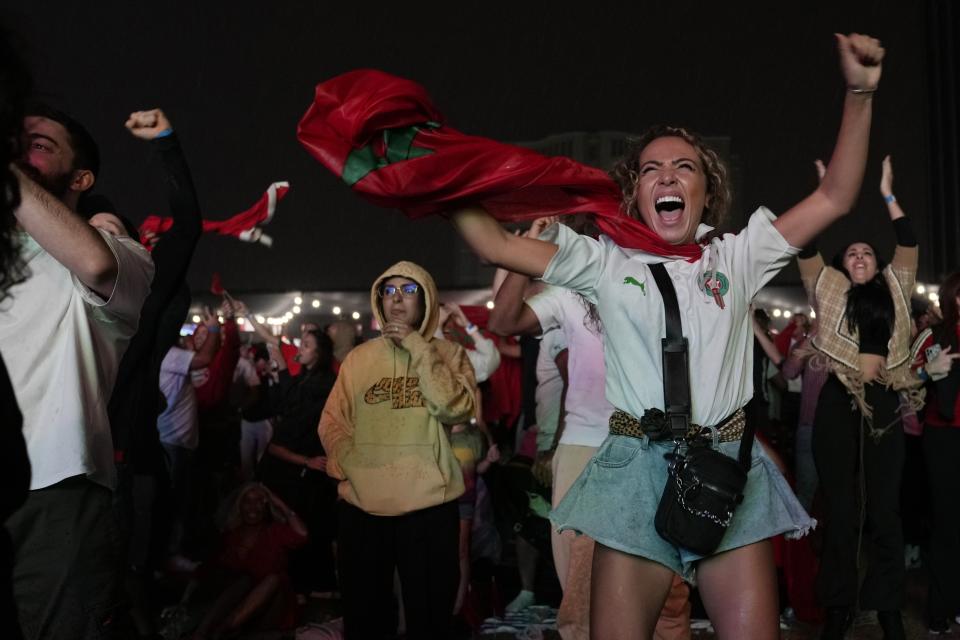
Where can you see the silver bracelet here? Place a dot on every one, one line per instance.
(861, 91)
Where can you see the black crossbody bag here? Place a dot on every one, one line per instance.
(703, 485)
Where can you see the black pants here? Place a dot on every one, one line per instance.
(839, 441)
(942, 449)
(68, 562)
(422, 546)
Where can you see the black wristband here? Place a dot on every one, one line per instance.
(904, 231)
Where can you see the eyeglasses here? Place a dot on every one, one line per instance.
(406, 290)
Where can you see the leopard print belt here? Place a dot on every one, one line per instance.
(655, 426)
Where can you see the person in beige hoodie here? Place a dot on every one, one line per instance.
(384, 431)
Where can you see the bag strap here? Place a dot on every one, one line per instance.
(676, 369)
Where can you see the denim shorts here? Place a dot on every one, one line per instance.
(615, 499)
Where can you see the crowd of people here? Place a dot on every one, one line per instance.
(224, 478)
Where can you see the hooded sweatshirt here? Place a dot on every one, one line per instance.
(383, 424)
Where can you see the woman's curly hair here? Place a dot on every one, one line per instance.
(626, 172)
(15, 86)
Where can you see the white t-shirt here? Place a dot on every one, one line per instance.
(179, 423)
(620, 283)
(587, 418)
(62, 344)
(549, 386)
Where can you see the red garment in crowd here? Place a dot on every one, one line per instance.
(218, 377)
(289, 353)
(931, 411)
(382, 136)
(267, 556)
(782, 340)
(245, 225)
(503, 399)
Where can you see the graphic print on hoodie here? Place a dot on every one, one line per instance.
(383, 424)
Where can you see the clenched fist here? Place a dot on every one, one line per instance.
(147, 124)
(860, 58)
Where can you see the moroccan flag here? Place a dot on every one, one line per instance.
(382, 136)
(245, 225)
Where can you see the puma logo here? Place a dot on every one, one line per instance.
(634, 282)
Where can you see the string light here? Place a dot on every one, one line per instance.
(921, 288)
(355, 315)
(336, 311)
(196, 319)
(934, 297)
(298, 300)
(787, 313)
(296, 309)
(315, 304)
(813, 314)
(260, 319)
(490, 304)
(777, 313)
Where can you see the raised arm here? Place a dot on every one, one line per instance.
(206, 353)
(906, 256)
(511, 315)
(766, 343)
(66, 236)
(174, 250)
(860, 58)
(498, 246)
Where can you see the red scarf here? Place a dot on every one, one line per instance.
(383, 137)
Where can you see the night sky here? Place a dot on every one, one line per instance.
(236, 77)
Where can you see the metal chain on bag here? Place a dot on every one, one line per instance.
(681, 498)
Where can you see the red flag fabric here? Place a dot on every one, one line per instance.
(382, 136)
(216, 286)
(245, 225)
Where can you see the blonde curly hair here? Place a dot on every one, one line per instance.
(626, 172)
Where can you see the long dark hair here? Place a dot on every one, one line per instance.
(869, 308)
(946, 333)
(324, 351)
(15, 86)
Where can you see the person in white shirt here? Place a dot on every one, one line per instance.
(581, 430)
(179, 428)
(62, 333)
(671, 181)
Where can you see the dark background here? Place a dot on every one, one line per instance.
(235, 77)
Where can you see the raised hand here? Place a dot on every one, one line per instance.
(942, 364)
(454, 311)
(538, 226)
(209, 320)
(860, 58)
(396, 331)
(147, 124)
(886, 179)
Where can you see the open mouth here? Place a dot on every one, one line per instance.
(669, 208)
